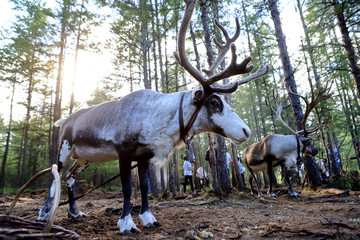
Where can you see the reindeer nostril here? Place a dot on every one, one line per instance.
(247, 133)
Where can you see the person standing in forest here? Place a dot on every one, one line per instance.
(188, 167)
(207, 155)
(228, 159)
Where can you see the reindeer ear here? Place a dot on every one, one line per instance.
(197, 94)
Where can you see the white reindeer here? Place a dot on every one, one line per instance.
(283, 150)
(146, 126)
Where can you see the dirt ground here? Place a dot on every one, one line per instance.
(316, 215)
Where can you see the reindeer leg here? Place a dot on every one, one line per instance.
(126, 223)
(287, 181)
(146, 217)
(257, 184)
(251, 177)
(270, 170)
(79, 166)
(65, 152)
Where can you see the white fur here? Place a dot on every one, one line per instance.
(42, 217)
(52, 190)
(70, 182)
(126, 224)
(232, 125)
(147, 218)
(65, 152)
(60, 122)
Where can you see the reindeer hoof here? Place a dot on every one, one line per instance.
(127, 226)
(76, 215)
(292, 193)
(271, 194)
(130, 232)
(152, 225)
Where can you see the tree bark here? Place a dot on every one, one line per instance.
(351, 55)
(59, 80)
(222, 166)
(207, 35)
(26, 129)
(7, 144)
(310, 166)
(213, 167)
(72, 98)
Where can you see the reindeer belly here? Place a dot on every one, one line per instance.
(96, 154)
(260, 166)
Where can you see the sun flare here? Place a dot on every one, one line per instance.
(91, 68)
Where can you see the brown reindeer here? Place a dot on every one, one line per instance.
(283, 150)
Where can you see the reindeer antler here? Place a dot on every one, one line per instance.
(233, 68)
(278, 111)
(321, 95)
(223, 48)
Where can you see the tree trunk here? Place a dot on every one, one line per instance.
(26, 130)
(7, 144)
(344, 104)
(176, 164)
(213, 167)
(219, 167)
(351, 55)
(153, 180)
(72, 99)
(154, 31)
(59, 80)
(222, 166)
(313, 173)
(240, 185)
(172, 176)
(207, 35)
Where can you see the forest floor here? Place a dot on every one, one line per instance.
(316, 215)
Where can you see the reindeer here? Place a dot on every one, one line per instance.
(283, 150)
(146, 126)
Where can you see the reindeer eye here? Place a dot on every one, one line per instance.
(214, 104)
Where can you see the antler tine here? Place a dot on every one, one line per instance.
(180, 56)
(233, 68)
(315, 100)
(223, 48)
(278, 115)
(323, 124)
(262, 71)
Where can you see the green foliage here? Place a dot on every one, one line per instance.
(348, 181)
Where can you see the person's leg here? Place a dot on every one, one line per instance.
(191, 184)
(185, 180)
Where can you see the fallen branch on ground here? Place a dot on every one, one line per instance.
(338, 224)
(298, 232)
(338, 194)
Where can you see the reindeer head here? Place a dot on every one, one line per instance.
(222, 119)
(309, 148)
